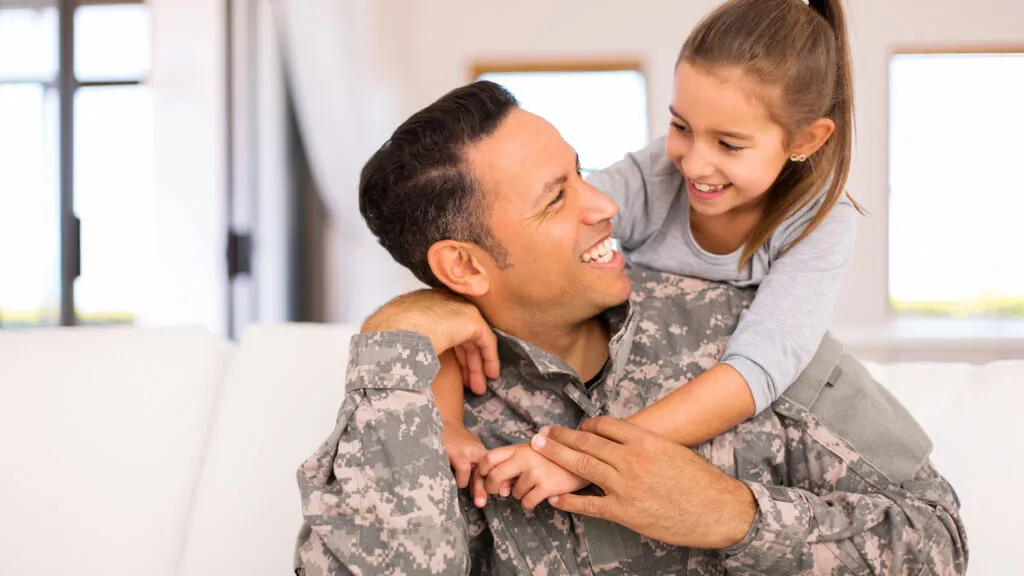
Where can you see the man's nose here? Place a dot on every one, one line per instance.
(597, 207)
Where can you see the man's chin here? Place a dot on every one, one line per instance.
(614, 292)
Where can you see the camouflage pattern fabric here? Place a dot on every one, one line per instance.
(378, 497)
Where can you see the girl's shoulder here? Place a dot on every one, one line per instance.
(840, 225)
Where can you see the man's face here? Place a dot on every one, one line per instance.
(553, 225)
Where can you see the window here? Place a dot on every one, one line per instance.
(600, 109)
(75, 160)
(29, 188)
(956, 204)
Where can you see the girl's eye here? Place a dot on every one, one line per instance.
(678, 127)
(729, 147)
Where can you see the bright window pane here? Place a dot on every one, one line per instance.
(28, 44)
(29, 207)
(603, 115)
(956, 195)
(112, 42)
(113, 191)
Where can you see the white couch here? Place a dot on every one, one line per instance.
(172, 452)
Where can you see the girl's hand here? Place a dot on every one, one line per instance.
(447, 319)
(475, 369)
(536, 478)
(465, 451)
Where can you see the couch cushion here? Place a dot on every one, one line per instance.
(101, 432)
(280, 401)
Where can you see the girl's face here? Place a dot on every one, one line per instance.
(722, 140)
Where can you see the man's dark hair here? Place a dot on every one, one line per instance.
(418, 190)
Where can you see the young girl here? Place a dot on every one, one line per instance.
(746, 188)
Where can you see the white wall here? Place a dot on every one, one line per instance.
(188, 285)
(446, 37)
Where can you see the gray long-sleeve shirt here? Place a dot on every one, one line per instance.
(797, 290)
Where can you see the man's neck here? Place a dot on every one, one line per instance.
(583, 346)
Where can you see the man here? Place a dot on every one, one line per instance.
(484, 199)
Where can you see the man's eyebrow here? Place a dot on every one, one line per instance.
(553, 183)
(727, 134)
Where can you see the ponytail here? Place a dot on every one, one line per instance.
(836, 153)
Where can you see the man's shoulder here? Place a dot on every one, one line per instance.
(652, 287)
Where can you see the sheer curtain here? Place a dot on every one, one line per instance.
(344, 68)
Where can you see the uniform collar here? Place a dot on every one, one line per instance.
(621, 323)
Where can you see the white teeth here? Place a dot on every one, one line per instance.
(601, 253)
(708, 187)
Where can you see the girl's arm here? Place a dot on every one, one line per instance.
(706, 406)
(775, 338)
(464, 449)
(447, 389)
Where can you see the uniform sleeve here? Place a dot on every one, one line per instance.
(777, 336)
(913, 530)
(378, 496)
(635, 184)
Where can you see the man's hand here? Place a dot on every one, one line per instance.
(652, 486)
(449, 321)
(536, 478)
(465, 451)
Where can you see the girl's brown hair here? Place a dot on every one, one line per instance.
(801, 53)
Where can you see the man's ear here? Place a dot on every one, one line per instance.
(457, 266)
(813, 137)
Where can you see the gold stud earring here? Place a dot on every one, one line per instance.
(798, 157)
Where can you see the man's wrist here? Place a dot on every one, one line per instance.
(383, 322)
(740, 517)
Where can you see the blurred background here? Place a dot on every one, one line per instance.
(196, 161)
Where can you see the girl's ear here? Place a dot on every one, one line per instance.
(813, 137)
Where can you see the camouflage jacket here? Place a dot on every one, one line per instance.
(839, 469)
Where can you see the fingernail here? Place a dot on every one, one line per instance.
(553, 500)
(480, 502)
(505, 491)
(544, 431)
(538, 441)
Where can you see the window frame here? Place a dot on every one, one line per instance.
(481, 67)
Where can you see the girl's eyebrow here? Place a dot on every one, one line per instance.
(725, 133)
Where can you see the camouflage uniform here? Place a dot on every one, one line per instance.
(839, 469)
